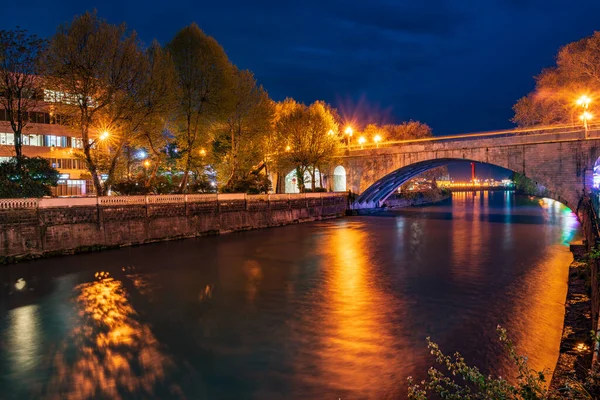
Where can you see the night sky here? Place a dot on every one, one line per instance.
(457, 65)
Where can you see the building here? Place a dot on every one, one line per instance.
(44, 136)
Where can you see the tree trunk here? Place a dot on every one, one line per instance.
(313, 178)
(186, 172)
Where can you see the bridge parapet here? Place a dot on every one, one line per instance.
(562, 160)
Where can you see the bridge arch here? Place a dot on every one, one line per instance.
(376, 194)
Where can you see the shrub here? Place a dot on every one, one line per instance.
(30, 177)
(468, 383)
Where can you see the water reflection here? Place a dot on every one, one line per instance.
(355, 354)
(334, 309)
(109, 353)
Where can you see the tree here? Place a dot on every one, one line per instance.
(311, 137)
(407, 131)
(20, 82)
(92, 66)
(27, 177)
(204, 80)
(239, 145)
(553, 101)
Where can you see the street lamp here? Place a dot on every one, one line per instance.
(202, 152)
(377, 139)
(146, 163)
(361, 141)
(584, 102)
(349, 131)
(585, 117)
(104, 135)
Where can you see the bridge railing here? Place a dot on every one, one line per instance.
(538, 130)
(325, 198)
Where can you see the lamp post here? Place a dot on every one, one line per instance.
(349, 131)
(361, 141)
(584, 102)
(377, 139)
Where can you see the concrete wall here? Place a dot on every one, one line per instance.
(562, 162)
(31, 227)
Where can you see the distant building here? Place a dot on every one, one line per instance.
(46, 137)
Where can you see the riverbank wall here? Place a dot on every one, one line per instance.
(31, 228)
(579, 352)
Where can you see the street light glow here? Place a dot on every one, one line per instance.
(349, 131)
(584, 101)
(146, 163)
(104, 135)
(377, 139)
(202, 152)
(331, 132)
(586, 116)
(287, 148)
(361, 140)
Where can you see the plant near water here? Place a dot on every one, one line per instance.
(465, 382)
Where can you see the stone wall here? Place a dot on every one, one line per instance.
(563, 162)
(31, 227)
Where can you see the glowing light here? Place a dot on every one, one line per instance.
(584, 101)
(104, 135)
(349, 131)
(146, 163)
(377, 139)
(202, 152)
(288, 148)
(20, 284)
(331, 132)
(586, 116)
(362, 140)
(142, 154)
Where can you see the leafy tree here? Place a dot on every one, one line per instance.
(239, 145)
(553, 101)
(20, 83)
(204, 80)
(311, 138)
(407, 131)
(27, 177)
(92, 66)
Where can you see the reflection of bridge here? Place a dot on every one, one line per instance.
(560, 158)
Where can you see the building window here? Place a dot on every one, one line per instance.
(7, 138)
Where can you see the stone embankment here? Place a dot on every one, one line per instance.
(32, 228)
(578, 354)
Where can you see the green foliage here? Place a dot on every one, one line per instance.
(468, 383)
(30, 177)
(525, 185)
(251, 184)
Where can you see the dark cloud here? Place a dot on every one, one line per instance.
(456, 65)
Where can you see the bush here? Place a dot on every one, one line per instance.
(465, 382)
(251, 184)
(130, 187)
(31, 177)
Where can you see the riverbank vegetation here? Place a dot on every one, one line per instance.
(459, 381)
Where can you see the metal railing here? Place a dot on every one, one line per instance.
(108, 201)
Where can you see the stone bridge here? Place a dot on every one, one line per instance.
(561, 159)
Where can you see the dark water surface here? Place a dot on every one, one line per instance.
(326, 310)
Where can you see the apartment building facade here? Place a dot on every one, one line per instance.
(46, 137)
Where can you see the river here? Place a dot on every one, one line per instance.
(324, 310)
